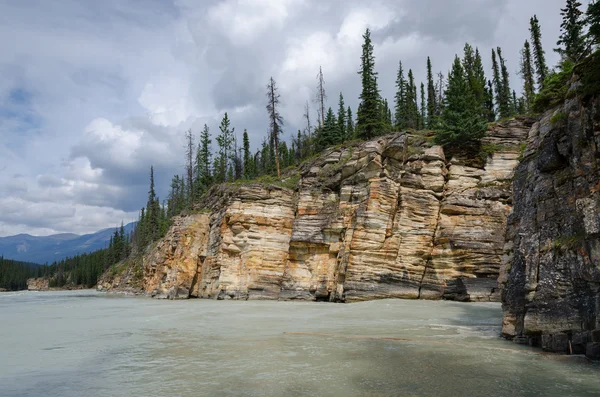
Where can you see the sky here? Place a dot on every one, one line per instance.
(92, 93)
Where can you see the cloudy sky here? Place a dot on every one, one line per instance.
(94, 92)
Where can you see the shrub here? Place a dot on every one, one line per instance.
(555, 88)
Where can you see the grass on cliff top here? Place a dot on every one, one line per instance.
(289, 179)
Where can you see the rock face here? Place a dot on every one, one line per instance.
(392, 217)
(37, 284)
(551, 279)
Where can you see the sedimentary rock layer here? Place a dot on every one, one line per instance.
(392, 217)
(551, 279)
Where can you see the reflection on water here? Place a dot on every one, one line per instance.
(85, 343)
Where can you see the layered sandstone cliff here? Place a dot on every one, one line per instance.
(37, 284)
(394, 217)
(551, 282)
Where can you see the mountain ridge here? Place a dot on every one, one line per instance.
(47, 249)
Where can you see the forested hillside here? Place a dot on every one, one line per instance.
(14, 274)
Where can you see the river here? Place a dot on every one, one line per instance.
(85, 343)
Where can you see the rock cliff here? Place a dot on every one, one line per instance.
(395, 217)
(551, 278)
(37, 284)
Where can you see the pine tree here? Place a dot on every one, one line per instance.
(490, 114)
(248, 166)
(527, 75)
(538, 51)
(224, 140)
(189, 163)
(593, 18)
(412, 110)
(341, 119)
(369, 120)
(468, 63)
(152, 208)
(275, 119)
(431, 97)
(423, 117)
(202, 164)
(400, 100)
(572, 42)
(506, 110)
(321, 97)
(461, 117)
(329, 134)
(497, 79)
(478, 83)
(350, 125)
(440, 95)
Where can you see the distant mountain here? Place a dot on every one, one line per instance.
(47, 249)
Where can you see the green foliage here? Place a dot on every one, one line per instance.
(400, 111)
(558, 117)
(14, 274)
(341, 119)
(568, 243)
(431, 97)
(527, 75)
(350, 131)
(461, 118)
(539, 55)
(589, 75)
(329, 134)
(555, 88)
(593, 20)
(369, 122)
(224, 140)
(572, 43)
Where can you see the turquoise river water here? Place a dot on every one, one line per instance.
(86, 343)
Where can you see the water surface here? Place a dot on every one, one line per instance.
(85, 343)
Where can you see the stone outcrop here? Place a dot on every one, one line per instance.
(394, 217)
(38, 284)
(551, 277)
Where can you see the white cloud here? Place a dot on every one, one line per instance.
(110, 87)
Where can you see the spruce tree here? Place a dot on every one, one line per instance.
(538, 51)
(248, 166)
(224, 140)
(461, 117)
(369, 121)
(321, 97)
(527, 75)
(329, 134)
(593, 18)
(423, 117)
(468, 63)
(275, 119)
(350, 125)
(341, 119)
(490, 113)
(497, 79)
(431, 97)
(189, 164)
(152, 208)
(478, 83)
(202, 163)
(572, 43)
(400, 100)
(506, 110)
(412, 110)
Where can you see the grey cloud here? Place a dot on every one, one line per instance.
(102, 57)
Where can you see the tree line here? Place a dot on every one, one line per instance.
(456, 108)
(14, 274)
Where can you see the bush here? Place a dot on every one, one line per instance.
(555, 88)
